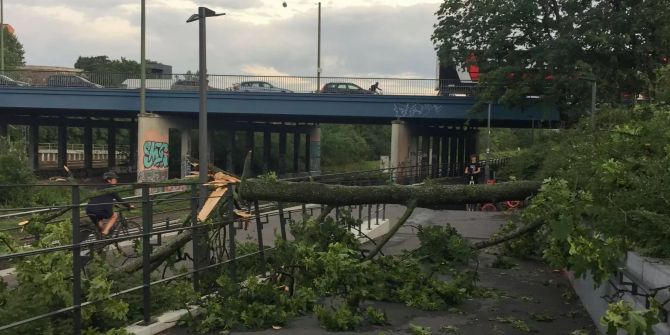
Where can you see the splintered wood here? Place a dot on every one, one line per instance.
(221, 180)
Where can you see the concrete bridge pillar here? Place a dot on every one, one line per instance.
(400, 148)
(153, 148)
(314, 150)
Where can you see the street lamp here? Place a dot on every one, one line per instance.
(143, 60)
(318, 54)
(203, 14)
(2, 37)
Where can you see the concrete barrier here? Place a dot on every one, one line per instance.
(639, 276)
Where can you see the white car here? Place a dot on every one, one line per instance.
(258, 86)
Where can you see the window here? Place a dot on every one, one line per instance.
(342, 86)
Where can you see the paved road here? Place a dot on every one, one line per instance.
(528, 292)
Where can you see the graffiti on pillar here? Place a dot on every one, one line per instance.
(416, 110)
(155, 155)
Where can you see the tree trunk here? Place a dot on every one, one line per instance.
(426, 196)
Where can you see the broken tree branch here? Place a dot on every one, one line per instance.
(426, 196)
(410, 209)
(502, 239)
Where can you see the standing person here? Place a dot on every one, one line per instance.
(473, 170)
(101, 208)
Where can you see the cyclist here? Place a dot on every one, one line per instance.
(375, 88)
(473, 170)
(101, 208)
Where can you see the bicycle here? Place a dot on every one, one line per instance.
(128, 248)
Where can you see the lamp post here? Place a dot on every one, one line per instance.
(203, 14)
(2, 36)
(143, 60)
(318, 54)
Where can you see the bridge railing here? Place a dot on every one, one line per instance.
(244, 83)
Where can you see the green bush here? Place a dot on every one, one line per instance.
(14, 171)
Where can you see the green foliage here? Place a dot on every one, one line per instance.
(341, 144)
(419, 330)
(515, 323)
(346, 144)
(621, 315)
(14, 53)
(340, 318)
(270, 176)
(44, 285)
(324, 263)
(444, 244)
(607, 194)
(14, 171)
(252, 305)
(376, 316)
(526, 246)
(518, 44)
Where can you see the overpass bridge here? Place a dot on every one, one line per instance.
(427, 129)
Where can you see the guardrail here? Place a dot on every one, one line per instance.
(244, 83)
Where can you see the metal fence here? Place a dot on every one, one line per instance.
(156, 225)
(151, 233)
(243, 83)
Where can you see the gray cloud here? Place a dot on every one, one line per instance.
(381, 40)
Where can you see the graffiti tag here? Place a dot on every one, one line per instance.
(416, 110)
(155, 155)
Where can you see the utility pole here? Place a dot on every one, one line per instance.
(143, 61)
(594, 89)
(318, 54)
(2, 36)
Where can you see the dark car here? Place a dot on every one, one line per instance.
(344, 88)
(70, 80)
(6, 81)
(257, 86)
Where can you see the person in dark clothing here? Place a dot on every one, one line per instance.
(101, 208)
(473, 169)
(375, 88)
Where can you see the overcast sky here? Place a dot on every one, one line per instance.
(359, 37)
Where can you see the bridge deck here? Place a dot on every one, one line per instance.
(337, 108)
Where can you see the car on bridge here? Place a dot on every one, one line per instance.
(69, 80)
(6, 81)
(344, 88)
(258, 86)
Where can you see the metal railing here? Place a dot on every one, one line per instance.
(150, 233)
(245, 83)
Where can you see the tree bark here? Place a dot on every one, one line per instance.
(426, 196)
